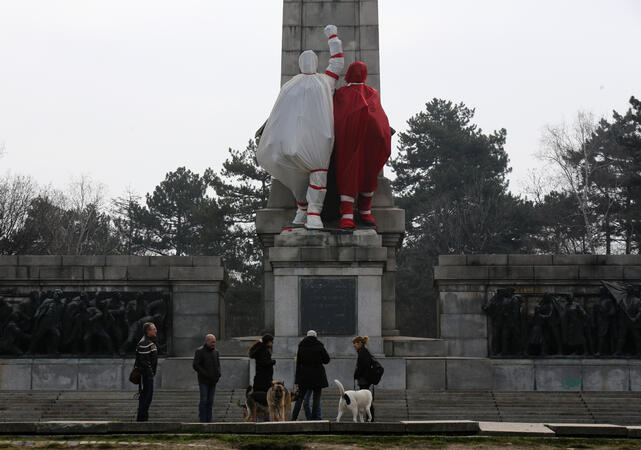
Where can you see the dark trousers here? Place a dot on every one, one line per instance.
(365, 385)
(206, 403)
(307, 407)
(144, 401)
(315, 404)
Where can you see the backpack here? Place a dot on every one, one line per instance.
(375, 372)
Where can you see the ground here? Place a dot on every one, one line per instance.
(311, 442)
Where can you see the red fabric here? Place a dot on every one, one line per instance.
(331, 74)
(337, 55)
(332, 36)
(363, 138)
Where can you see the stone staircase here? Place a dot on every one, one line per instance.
(623, 408)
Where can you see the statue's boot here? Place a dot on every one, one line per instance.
(365, 209)
(301, 213)
(315, 197)
(346, 210)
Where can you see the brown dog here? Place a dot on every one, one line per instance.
(254, 406)
(279, 401)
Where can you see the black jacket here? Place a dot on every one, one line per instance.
(146, 357)
(310, 358)
(264, 367)
(363, 366)
(207, 365)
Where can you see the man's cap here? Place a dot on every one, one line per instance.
(311, 333)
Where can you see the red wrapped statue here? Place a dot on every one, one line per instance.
(362, 147)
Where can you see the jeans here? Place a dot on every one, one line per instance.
(316, 403)
(144, 401)
(206, 403)
(362, 384)
(308, 408)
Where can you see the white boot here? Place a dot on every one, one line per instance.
(301, 214)
(315, 197)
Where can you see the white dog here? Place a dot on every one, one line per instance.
(358, 402)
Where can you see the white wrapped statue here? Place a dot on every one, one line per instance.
(297, 142)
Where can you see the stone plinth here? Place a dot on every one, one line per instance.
(300, 255)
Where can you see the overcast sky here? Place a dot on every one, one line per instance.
(126, 90)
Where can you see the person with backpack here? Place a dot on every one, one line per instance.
(368, 371)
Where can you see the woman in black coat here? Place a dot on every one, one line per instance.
(363, 365)
(261, 351)
(310, 373)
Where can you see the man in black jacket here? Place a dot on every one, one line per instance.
(146, 362)
(207, 365)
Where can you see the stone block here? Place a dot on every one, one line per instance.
(284, 254)
(558, 376)
(100, 375)
(486, 260)
(469, 374)
(511, 272)
(50, 375)
(371, 60)
(292, 13)
(529, 260)
(83, 260)
(96, 273)
(14, 273)
(594, 272)
(365, 428)
(219, 428)
(475, 348)
(632, 273)
(619, 260)
(463, 326)
(284, 370)
(39, 260)
(460, 273)
(370, 254)
(346, 254)
(194, 325)
(196, 303)
(556, 273)
(587, 430)
(286, 308)
(571, 260)
(126, 260)
(369, 38)
(369, 306)
(8, 260)
(426, 374)
(316, 426)
(368, 14)
(210, 273)
(635, 376)
(115, 273)
(178, 373)
(466, 427)
(15, 374)
(173, 260)
(461, 302)
(374, 80)
(18, 428)
(452, 260)
(235, 373)
(318, 254)
(72, 428)
(207, 261)
(322, 13)
(607, 376)
(61, 273)
(515, 429)
(147, 273)
(186, 346)
(513, 375)
(395, 376)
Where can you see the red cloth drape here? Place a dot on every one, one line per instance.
(363, 137)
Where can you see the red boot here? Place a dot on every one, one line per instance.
(347, 213)
(365, 209)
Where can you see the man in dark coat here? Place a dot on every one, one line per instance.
(207, 365)
(310, 373)
(146, 362)
(261, 351)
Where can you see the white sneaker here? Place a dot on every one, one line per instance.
(314, 222)
(301, 217)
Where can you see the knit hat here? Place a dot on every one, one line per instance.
(311, 333)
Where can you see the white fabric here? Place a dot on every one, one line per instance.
(311, 333)
(347, 216)
(308, 62)
(316, 197)
(301, 216)
(367, 194)
(347, 198)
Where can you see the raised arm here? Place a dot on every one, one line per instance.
(336, 59)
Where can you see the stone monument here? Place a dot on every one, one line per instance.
(302, 269)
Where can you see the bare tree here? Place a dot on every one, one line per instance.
(16, 193)
(566, 148)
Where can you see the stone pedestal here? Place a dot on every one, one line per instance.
(328, 282)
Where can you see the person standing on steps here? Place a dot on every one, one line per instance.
(146, 362)
(207, 365)
(261, 351)
(310, 372)
(363, 365)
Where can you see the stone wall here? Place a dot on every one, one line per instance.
(195, 284)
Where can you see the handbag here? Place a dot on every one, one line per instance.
(135, 376)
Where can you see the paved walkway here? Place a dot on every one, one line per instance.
(622, 408)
